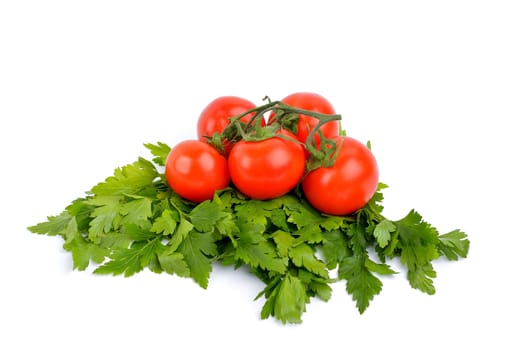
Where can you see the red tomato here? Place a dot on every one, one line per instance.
(315, 103)
(216, 116)
(266, 169)
(195, 170)
(347, 185)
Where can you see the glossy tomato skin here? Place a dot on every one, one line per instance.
(315, 103)
(266, 169)
(216, 116)
(346, 186)
(195, 170)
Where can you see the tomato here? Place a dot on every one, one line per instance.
(347, 185)
(195, 170)
(315, 103)
(216, 116)
(266, 169)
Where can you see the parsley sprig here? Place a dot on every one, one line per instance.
(133, 221)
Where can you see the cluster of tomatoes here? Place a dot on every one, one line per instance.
(273, 166)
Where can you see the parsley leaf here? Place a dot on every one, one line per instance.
(205, 216)
(197, 249)
(55, 225)
(303, 255)
(286, 300)
(130, 179)
(360, 282)
(357, 268)
(382, 269)
(284, 241)
(136, 210)
(382, 232)
(106, 216)
(132, 260)
(315, 285)
(180, 235)
(84, 251)
(166, 223)
(334, 248)
(174, 263)
(453, 245)
(160, 152)
(253, 249)
(418, 244)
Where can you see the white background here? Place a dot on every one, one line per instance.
(437, 86)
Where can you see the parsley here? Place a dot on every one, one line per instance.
(133, 221)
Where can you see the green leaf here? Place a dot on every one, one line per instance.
(278, 218)
(374, 207)
(180, 235)
(453, 245)
(55, 225)
(130, 179)
(332, 223)
(269, 292)
(197, 248)
(256, 251)
(227, 226)
(83, 252)
(382, 269)
(205, 216)
(360, 282)
(417, 259)
(310, 234)
(227, 198)
(286, 300)
(256, 211)
(303, 255)
(105, 216)
(160, 152)
(420, 278)
(81, 210)
(115, 240)
(302, 215)
(290, 301)
(174, 263)
(382, 232)
(413, 231)
(357, 236)
(179, 203)
(132, 260)
(136, 210)
(154, 264)
(166, 223)
(138, 233)
(322, 290)
(334, 248)
(418, 244)
(71, 230)
(284, 242)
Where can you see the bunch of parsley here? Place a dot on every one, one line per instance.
(133, 221)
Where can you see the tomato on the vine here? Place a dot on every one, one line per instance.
(347, 185)
(195, 170)
(267, 169)
(315, 103)
(216, 116)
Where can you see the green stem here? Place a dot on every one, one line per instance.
(323, 154)
(310, 143)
